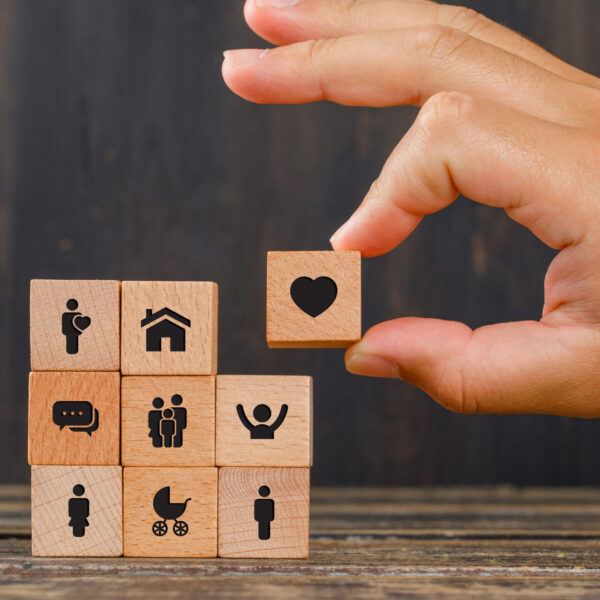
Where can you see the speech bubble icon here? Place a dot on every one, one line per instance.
(89, 429)
(72, 413)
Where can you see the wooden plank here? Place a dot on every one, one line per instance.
(352, 557)
(274, 587)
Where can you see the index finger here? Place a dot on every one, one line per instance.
(318, 19)
(405, 66)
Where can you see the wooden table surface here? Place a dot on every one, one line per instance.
(492, 542)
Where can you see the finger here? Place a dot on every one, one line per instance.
(286, 23)
(405, 67)
(525, 367)
(491, 154)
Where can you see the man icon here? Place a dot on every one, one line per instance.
(262, 413)
(73, 325)
(264, 512)
(79, 511)
(180, 416)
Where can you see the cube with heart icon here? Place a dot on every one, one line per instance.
(313, 299)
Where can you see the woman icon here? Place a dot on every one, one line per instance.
(79, 511)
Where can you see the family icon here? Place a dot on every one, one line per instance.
(167, 425)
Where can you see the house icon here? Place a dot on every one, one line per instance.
(166, 324)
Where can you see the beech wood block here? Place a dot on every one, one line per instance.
(168, 421)
(159, 520)
(169, 328)
(76, 511)
(263, 512)
(74, 325)
(264, 421)
(74, 418)
(313, 299)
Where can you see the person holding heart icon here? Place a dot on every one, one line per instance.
(73, 325)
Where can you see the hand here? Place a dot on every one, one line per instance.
(502, 122)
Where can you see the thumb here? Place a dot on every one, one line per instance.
(524, 367)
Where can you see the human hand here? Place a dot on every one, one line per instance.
(502, 122)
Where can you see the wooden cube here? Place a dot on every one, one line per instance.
(313, 299)
(74, 418)
(74, 325)
(263, 512)
(168, 421)
(264, 421)
(170, 511)
(169, 328)
(76, 511)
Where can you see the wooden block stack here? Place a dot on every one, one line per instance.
(139, 448)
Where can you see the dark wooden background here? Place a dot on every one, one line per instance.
(123, 155)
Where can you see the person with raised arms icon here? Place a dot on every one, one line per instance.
(262, 413)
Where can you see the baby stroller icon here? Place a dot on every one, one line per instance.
(168, 511)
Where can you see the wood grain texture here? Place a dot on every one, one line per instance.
(238, 530)
(140, 484)
(51, 445)
(98, 344)
(51, 490)
(125, 157)
(291, 445)
(198, 437)
(443, 542)
(196, 301)
(290, 327)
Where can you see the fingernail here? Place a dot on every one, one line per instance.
(334, 239)
(236, 58)
(276, 3)
(372, 365)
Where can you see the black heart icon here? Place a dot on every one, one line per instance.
(82, 322)
(313, 296)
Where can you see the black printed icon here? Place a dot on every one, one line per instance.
(79, 511)
(168, 511)
(74, 324)
(167, 425)
(167, 325)
(261, 413)
(313, 296)
(77, 415)
(264, 512)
